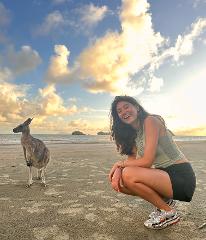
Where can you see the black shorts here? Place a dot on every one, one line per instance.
(183, 181)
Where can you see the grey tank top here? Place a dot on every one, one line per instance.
(167, 151)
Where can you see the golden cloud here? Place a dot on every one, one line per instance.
(58, 69)
(52, 104)
(11, 101)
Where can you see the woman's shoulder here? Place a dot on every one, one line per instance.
(152, 119)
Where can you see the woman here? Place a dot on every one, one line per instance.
(155, 170)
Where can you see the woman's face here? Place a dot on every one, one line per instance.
(127, 112)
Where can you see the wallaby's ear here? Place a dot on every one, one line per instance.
(28, 121)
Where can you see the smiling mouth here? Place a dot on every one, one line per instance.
(126, 117)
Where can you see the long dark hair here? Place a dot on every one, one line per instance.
(123, 134)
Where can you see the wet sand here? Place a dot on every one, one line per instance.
(78, 202)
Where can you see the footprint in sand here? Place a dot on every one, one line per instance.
(91, 217)
(71, 211)
(52, 191)
(34, 208)
(53, 232)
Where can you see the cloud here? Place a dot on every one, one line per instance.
(78, 124)
(58, 70)
(110, 62)
(90, 15)
(22, 61)
(48, 109)
(15, 104)
(4, 15)
(51, 104)
(52, 22)
(113, 62)
(197, 131)
(155, 84)
(82, 19)
(62, 126)
(11, 101)
(184, 45)
(5, 74)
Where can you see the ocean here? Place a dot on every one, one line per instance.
(10, 139)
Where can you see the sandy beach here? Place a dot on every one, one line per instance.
(78, 202)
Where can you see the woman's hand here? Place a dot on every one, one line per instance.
(117, 179)
(116, 165)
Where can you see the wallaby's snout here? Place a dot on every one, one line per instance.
(14, 130)
(18, 129)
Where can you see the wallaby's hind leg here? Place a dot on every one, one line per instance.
(43, 179)
(39, 174)
(30, 177)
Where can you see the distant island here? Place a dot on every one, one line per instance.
(103, 133)
(78, 133)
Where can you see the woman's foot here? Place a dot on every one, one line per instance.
(163, 219)
(170, 202)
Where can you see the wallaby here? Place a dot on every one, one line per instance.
(36, 153)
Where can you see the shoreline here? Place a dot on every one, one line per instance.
(179, 142)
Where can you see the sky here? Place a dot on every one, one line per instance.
(62, 62)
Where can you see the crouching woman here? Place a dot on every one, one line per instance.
(161, 173)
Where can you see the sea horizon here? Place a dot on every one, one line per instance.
(54, 138)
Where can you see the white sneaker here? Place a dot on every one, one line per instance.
(169, 202)
(163, 219)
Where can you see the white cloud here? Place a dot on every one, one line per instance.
(184, 45)
(52, 22)
(90, 15)
(155, 84)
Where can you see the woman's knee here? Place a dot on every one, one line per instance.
(128, 176)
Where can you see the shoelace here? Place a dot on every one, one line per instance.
(155, 214)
